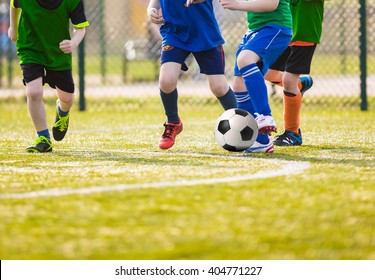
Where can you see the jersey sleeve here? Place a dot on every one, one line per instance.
(15, 4)
(78, 17)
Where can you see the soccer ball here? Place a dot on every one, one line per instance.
(235, 130)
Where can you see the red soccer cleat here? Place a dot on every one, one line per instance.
(171, 130)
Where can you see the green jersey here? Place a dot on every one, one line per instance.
(307, 20)
(280, 16)
(43, 24)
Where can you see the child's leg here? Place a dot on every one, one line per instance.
(220, 88)
(169, 74)
(66, 101)
(35, 104)
(275, 77)
(37, 111)
(172, 62)
(256, 87)
(244, 102)
(254, 81)
(292, 102)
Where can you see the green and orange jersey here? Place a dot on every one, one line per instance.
(307, 18)
(43, 24)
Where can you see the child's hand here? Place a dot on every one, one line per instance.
(67, 46)
(231, 4)
(188, 2)
(12, 34)
(155, 15)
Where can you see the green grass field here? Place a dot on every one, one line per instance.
(108, 192)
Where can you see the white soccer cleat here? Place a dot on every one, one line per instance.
(261, 148)
(266, 124)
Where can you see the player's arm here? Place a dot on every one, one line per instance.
(255, 6)
(68, 46)
(154, 12)
(14, 15)
(79, 21)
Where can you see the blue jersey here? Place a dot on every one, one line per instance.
(193, 29)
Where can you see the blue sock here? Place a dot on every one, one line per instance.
(256, 87)
(244, 102)
(62, 113)
(44, 133)
(228, 101)
(170, 105)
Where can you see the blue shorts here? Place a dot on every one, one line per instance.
(268, 42)
(211, 62)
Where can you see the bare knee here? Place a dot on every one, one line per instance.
(34, 93)
(169, 74)
(166, 84)
(219, 89)
(290, 82)
(67, 99)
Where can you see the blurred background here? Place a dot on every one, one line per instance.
(120, 56)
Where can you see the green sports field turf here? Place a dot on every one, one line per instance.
(108, 192)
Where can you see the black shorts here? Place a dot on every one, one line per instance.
(295, 60)
(61, 79)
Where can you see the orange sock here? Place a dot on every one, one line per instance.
(292, 110)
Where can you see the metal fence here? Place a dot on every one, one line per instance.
(121, 60)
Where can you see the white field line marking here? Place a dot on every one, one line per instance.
(287, 168)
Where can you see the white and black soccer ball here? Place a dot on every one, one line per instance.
(236, 130)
